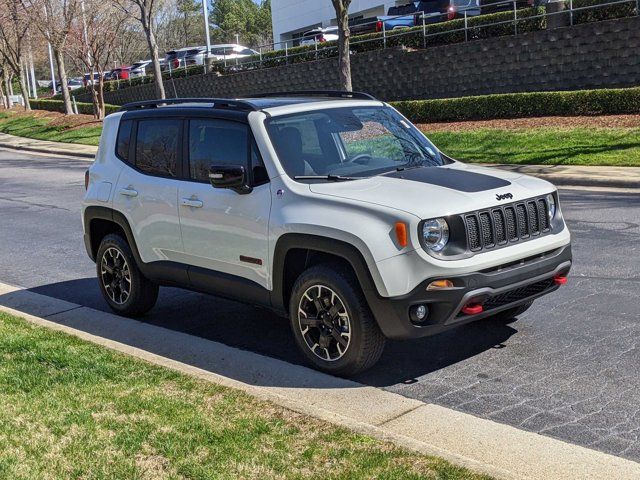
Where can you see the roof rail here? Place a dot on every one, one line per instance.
(217, 103)
(317, 93)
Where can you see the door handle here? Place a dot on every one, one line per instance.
(191, 202)
(128, 192)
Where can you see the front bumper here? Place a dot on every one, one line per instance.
(497, 289)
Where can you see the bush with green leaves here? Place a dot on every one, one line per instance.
(520, 105)
(58, 106)
(605, 12)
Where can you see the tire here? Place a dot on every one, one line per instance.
(508, 316)
(115, 254)
(349, 318)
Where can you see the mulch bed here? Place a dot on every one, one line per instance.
(604, 121)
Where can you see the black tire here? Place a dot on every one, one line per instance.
(509, 316)
(143, 293)
(365, 342)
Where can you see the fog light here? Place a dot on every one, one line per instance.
(440, 284)
(418, 313)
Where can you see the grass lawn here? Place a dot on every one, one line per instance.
(539, 146)
(47, 128)
(72, 409)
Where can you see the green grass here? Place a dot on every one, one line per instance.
(39, 128)
(72, 409)
(540, 146)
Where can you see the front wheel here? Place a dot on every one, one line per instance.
(332, 323)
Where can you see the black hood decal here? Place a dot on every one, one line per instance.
(461, 180)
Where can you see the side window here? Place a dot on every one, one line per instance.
(124, 141)
(215, 142)
(157, 146)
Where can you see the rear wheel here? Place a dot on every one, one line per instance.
(509, 316)
(332, 323)
(123, 286)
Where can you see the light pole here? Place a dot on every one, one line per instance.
(205, 12)
(53, 75)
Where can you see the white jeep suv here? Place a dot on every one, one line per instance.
(330, 208)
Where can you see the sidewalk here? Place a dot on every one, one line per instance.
(43, 146)
(563, 175)
(482, 445)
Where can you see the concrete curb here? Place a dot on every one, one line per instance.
(481, 445)
(85, 152)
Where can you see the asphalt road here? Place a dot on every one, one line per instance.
(569, 368)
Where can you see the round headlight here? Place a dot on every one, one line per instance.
(435, 233)
(551, 206)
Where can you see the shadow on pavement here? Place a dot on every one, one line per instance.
(262, 332)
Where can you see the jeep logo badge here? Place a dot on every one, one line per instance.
(504, 196)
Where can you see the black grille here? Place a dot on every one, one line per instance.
(473, 233)
(510, 223)
(517, 294)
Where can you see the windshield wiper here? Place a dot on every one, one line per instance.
(333, 178)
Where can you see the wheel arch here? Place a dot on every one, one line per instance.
(295, 252)
(100, 221)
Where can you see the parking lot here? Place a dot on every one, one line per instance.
(567, 369)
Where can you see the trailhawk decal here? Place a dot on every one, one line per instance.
(461, 180)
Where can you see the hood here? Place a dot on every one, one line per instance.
(439, 191)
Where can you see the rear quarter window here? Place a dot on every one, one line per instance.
(124, 141)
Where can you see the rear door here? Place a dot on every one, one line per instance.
(222, 230)
(147, 189)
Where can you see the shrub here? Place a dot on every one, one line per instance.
(514, 105)
(58, 106)
(609, 12)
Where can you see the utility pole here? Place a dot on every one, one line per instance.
(205, 12)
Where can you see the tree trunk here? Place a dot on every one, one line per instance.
(3, 100)
(94, 99)
(62, 76)
(24, 89)
(153, 49)
(344, 59)
(101, 95)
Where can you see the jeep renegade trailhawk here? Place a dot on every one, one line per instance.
(330, 208)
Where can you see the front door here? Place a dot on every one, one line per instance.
(224, 231)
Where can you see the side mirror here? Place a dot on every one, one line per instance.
(230, 176)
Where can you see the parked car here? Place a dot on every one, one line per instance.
(72, 84)
(329, 208)
(402, 16)
(442, 10)
(139, 69)
(87, 79)
(120, 73)
(230, 51)
(175, 59)
(319, 35)
(495, 6)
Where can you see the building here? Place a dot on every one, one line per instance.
(291, 18)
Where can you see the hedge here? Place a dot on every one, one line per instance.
(609, 12)
(515, 105)
(58, 106)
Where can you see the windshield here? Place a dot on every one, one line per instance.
(349, 142)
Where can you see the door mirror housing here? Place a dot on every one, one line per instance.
(233, 177)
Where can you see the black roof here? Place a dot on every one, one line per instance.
(251, 103)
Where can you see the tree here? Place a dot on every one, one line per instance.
(144, 12)
(94, 42)
(344, 59)
(55, 19)
(14, 28)
(250, 21)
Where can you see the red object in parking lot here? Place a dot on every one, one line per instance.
(451, 13)
(560, 279)
(379, 26)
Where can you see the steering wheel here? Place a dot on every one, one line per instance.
(360, 159)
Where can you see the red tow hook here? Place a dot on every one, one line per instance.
(560, 279)
(472, 309)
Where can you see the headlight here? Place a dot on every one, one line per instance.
(551, 206)
(435, 233)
